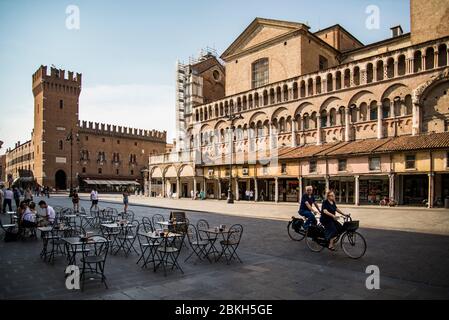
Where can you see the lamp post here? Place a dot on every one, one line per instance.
(71, 137)
(231, 118)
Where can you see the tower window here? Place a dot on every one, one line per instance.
(117, 172)
(100, 171)
(61, 145)
(87, 138)
(132, 172)
(84, 170)
(259, 73)
(323, 63)
(61, 104)
(104, 140)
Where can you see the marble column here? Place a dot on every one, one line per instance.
(294, 124)
(194, 187)
(347, 124)
(318, 129)
(391, 186)
(431, 190)
(357, 191)
(380, 131)
(416, 119)
(256, 191)
(276, 189)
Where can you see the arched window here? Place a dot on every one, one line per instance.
(386, 108)
(430, 58)
(380, 70)
(369, 73)
(330, 85)
(259, 72)
(356, 76)
(417, 61)
(401, 65)
(333, 117)
(442, 55)
(373, 111)
(323, 119)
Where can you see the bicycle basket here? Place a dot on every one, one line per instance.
(351, 225)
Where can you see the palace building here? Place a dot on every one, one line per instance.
(64, 151)
(323, 109)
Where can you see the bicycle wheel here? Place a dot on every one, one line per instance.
(296, 236)
(313, 245)
(353, 244)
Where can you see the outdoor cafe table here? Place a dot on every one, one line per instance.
(45, 237)
(156, 239)
(112, 235)
(74, 243)
(213, 234)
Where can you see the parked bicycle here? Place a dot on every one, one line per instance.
(351, 241)
(388, 202)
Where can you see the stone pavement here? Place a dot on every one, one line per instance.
(414, 219)
(412, 266)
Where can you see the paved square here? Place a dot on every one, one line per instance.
(412, 266)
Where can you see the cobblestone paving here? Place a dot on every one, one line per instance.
(412, 266)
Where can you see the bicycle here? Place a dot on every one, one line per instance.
(352, 242)
(295, 229)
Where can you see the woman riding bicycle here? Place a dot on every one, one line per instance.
(329, 219)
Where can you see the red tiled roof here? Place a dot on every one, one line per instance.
(424, 141)
(358, 147)
(307, 151)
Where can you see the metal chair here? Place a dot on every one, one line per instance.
(157, 218)
(202, 225)
(199, 246)
(169, 252)
(146, 243)
(11, 231)
(127, 237)
(231, 243)
(95, 252)
(147, 220)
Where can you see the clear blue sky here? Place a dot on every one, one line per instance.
(127, 50)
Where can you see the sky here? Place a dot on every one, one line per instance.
(127, 50)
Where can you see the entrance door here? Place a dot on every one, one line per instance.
(185, 190)
(60, 180)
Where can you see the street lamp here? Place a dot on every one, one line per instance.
(231, 118)
(71, 137)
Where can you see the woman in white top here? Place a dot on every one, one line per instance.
(29, 216)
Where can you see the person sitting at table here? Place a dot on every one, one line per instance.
(21, 210)
(50, 214)
(29, 216)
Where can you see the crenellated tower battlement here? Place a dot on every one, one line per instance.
(121, 131)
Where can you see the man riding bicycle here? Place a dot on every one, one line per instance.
(306, 208)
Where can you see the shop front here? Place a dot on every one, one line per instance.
(373, 189)
(415, 189)
(289, 190)
(318, 185)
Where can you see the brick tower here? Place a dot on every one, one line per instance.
(55, 121)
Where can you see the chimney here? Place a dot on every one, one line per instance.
(396, 31)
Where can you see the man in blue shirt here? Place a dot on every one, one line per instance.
(306, 208)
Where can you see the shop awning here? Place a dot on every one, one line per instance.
(112, 182)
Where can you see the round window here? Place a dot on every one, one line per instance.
(216, 75)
